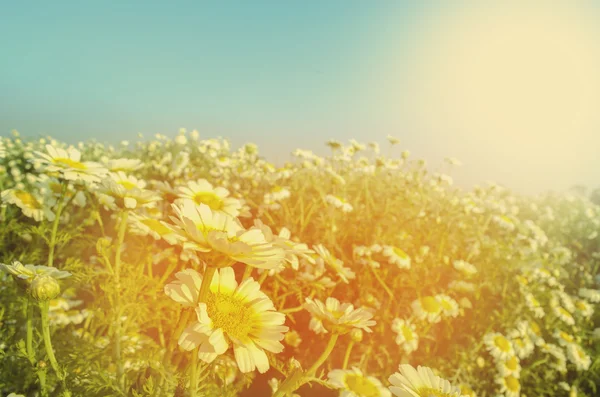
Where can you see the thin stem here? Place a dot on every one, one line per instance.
(328, 349)
(44, 306)
(263, 277)
(247, 272)
(29, 343)
(347, 355)
(118, 330)
(194, 374)
(59, 209)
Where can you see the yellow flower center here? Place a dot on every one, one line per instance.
(564, 312)
(27, 199)
(231, 313)
(581, 305)
(276, 189)
(512, 363)
(519, 342)
(446, 305)
(566, 336)
(535, 328)
(466, 390)
(127, 184)
(212, 200)
(512, 384)
(400, 253)
(502, 343)
(156, 226)
(361, 386)
(68, 163)
(430, 305)
(408, 334)
(431, 392)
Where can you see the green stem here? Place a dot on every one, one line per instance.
(118, 326)
(328, 349)
(52, 243)
(29, 342)
(247, 272)
(194, 373)
(44, 307)
(347, 355)
(263, 276)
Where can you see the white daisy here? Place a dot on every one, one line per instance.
(353, 383)
(420, 382)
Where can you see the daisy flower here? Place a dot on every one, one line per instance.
(69, 165)
(420, 382)
(563, 314)
(498, 345)
(563, 337)
(237, 315)
(146, 226)
(592, 295)
(125, 165)
(203, 192)
(344, 273)
(509, 386)
(584, 308)
(465, 267)
(561, 360)
(126, 191)
(293, 339)
(522, 343)
(510, 367)
(466, 390)
(28, 203)
(352, 383)
(223, 237)
(407, 335)
(428, 308)
(449, 305)
(24, 275)
(396, 256)
(578, 356)
(335, 317)
(339, 203)
(461, 286)
(534, 305)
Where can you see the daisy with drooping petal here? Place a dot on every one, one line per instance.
(509, 386)
(203, 192)
(407, 336)
(338, 318)
(343, 272)
(223, 238)
(428, 308)
(563, 314)
(69, 165)
(420, 382)
(449, 305)
(578, 357)
(353, 383)
(28, 203)
(498, 345)
(396, 256)
(237, 315)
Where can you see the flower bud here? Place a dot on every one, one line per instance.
(44, 288)
(356, 335)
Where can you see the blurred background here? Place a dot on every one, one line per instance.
(511, 88)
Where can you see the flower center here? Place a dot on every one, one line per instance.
(408, 334)
(502, 343)
(232, 314)
(362, 386)
(512, 383)
(400, 253)
(127, 184)
(210, 199)
(68, 163)
(566, 336)
(446, 305)
(27, 199)
(431, 392)
(156, 226)
(512, 363)
(430, 304)
(565, 313)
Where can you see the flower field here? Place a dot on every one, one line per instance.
(184, 267)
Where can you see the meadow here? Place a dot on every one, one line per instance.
(184, 267)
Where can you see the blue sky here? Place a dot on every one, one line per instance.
(280, 74)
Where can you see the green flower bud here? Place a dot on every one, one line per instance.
(44, 288)
(356, 335)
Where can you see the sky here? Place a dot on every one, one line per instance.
(510, 88)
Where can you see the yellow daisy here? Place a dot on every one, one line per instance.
(396, 256)
(420, 382)
(498, 346)
(223, 238)
(428, 308)
(69, 165)
(338, 318)
(352, 383)
(407, 336)
(31, 206)
(233, 315)
(344, 273)
(203, 192)
(509, 386)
